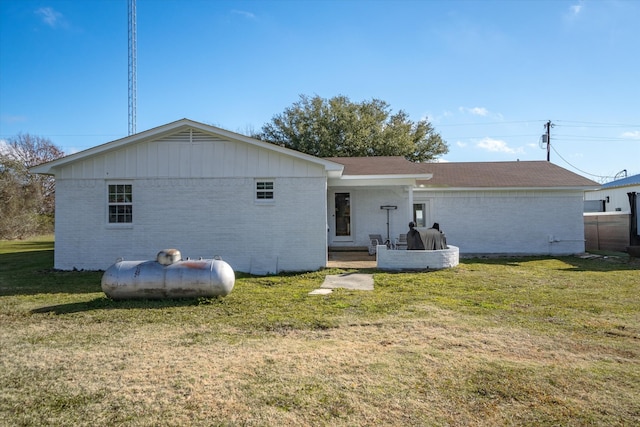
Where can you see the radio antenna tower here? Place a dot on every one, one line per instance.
(133, 84)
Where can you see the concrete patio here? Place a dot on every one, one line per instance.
(351, 259)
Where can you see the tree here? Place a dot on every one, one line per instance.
(26, 200)
(338, 127)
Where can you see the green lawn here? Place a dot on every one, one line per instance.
(510, 341)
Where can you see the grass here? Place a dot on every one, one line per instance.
(513, 341)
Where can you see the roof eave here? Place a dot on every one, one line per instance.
(488, 188)
(424, 176)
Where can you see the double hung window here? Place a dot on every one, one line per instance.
(120, 201)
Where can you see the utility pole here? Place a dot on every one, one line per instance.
(548, 125)
(133, 83)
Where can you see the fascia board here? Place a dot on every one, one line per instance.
(424, 176)
(339, 182)
(441, 189)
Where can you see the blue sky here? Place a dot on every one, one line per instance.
(487, 74)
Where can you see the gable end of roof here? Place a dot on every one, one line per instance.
(175, 127)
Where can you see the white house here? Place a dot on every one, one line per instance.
(608, 218)
(264, 208)
(612, 196)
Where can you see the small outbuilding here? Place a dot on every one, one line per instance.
(608, 220)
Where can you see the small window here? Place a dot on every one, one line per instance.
(120, 203)
(264, 190)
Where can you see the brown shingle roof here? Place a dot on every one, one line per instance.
(519, 174)
(381, 165)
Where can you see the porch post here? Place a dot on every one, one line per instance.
(411, 202)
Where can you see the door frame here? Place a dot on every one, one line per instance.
(332, 217)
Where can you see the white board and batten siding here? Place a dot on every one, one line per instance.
(197, 193)
(189, 155)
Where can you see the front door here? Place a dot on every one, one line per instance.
(342, 217)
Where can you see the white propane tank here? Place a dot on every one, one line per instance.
(168, 277)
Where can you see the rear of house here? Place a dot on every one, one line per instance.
(265, 209)
(196, 188)
(484, 208)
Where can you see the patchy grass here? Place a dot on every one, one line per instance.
(517, 341)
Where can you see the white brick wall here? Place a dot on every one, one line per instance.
(201, 218)
(218, 216)
(526, 222)
(387, 259)
(512, 222)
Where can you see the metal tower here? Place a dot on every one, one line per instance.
(133, 84)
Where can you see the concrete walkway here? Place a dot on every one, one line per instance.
(355, 281)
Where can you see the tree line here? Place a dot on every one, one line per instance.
(335, 127)
(27, 201)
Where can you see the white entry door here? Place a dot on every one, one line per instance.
(341, 225)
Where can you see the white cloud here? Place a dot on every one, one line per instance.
(480, 111)
(476, 111)
(576, 8)
(51, 17)
(244, 13)
(12, 119)
(496, 145)
(632, 135)
(434, 118)
(461, 144)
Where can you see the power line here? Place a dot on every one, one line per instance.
(530, 135)
(578, 169)
(488, 123)
(593, 138)
(561, 123)
(594, 124)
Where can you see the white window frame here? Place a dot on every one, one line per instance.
(264, 190)
(119, 203)
(423, 210)
(427, 203)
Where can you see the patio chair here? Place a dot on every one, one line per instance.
(375, 240)
(401, 241)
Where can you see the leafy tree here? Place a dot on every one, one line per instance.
(338, 127)
(26, 200)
